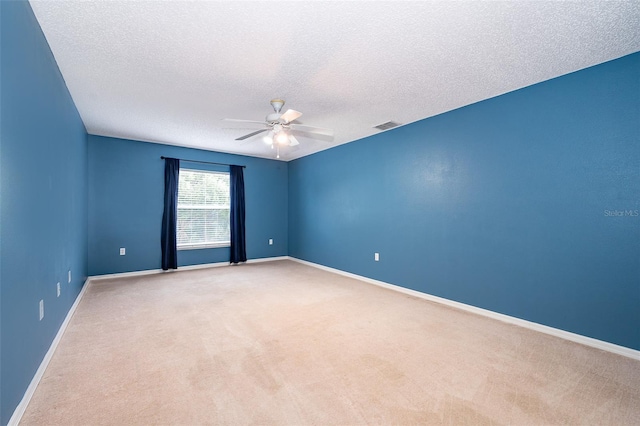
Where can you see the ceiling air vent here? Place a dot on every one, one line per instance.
(386, 126)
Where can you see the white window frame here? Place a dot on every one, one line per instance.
(206, 245)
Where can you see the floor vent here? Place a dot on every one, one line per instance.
(386, 126)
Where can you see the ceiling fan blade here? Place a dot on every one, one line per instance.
(290, 115)
(292, 140)
(237, 120)
(310, 129)
(241, 138)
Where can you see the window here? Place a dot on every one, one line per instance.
(203, 209)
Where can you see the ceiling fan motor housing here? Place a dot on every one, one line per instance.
(273, 117)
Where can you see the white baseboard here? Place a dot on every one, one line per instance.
(578, 338)
(22, 406)
(180, 268)
(156, 271)
(268, 259)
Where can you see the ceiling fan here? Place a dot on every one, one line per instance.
(279, 127)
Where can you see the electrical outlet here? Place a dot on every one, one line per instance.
(58, 289)
(376, 257)
(69, 277)
(270, 241)
(41, 309)
(123, 251)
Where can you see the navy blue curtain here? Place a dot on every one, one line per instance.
(170, 215)
(238, 246)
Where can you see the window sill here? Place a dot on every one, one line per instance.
(203, 246)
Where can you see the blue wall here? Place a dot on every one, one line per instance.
(43, 187)
(501, 204)
(126, 180)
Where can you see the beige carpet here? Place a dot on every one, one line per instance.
(287, 344)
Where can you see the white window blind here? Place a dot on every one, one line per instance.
(203, 209)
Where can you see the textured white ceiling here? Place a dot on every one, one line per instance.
(169, 72)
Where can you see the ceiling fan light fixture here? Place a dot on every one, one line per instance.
(268, 139)
(282, 138)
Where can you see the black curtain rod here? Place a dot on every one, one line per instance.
(203, 162)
